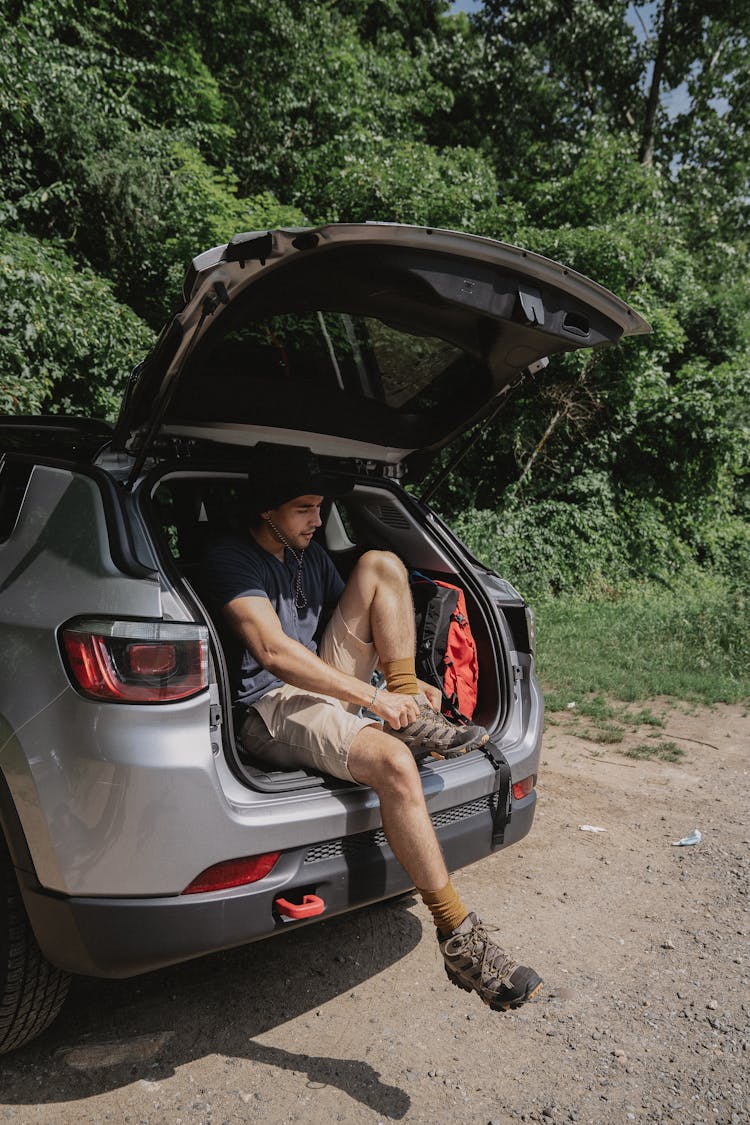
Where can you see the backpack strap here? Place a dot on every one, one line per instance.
(503, 789)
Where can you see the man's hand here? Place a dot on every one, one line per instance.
(434, 695)
(397, 710)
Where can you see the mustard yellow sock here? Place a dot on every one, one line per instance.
(401, 677)
(446, 907)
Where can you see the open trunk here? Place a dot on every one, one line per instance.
(188, 508)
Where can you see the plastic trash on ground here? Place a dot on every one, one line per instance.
(695, 837)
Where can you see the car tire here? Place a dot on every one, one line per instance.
(31, 990)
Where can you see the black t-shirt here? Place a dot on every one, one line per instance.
(237, 567)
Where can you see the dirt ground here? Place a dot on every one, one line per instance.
(643, 946)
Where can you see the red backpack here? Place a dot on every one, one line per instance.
(446, 651)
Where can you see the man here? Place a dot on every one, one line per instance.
(305, 704)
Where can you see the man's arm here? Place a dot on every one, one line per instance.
(256, 622)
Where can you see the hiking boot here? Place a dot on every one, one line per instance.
(473, 962)
(431, 733)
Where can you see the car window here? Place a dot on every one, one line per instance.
(336, 350)
(192, 512)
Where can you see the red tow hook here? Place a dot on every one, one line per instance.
(293, 911)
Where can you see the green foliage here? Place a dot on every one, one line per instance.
(594, 185)
(400, 181)
(157, 201)
(264, 212)
(564, 546)
(665, 751)
(539, 82)
(302, 76)
(67, 345)
(136, 135)
(634, 458)
(597, 540)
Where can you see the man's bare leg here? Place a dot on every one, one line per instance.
(473, 961)
(377, 606)
(381, 761)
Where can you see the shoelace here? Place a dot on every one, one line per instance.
(434, 727)
(500, 965)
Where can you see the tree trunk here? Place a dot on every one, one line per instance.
(646, 154)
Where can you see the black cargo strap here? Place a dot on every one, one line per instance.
(503, 789)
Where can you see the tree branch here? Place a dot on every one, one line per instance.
(569, 410)
(538, 448)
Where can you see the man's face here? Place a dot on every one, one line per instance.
(297, 519)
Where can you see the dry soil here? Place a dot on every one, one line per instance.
(643, 946)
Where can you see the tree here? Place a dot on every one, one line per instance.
(551, 73)
(135, 135)
(398, 181)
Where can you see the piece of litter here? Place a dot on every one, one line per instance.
(590, 828)
(570, 707)
(695, 837)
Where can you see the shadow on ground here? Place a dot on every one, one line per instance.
(112, 1033)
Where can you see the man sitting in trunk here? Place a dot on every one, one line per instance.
(312, 705)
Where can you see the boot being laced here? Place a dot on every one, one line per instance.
(432, 733)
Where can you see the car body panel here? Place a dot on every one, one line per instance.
(119, 937)
(133, 798)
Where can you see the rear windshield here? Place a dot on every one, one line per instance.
(334, 351)
(353, 345)
(330, 372)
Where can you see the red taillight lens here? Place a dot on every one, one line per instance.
(137, 661)
(524, 787)
(152, 660)
(232, 873)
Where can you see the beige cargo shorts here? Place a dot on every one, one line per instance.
(290, 727)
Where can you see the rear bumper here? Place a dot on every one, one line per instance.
(111, 937)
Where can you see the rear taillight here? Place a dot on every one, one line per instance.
(523, 788)
(136, 661)
(232, 873)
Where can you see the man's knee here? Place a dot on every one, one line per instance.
(383, 566)
(379, 760)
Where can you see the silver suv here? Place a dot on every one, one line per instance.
(136, 832)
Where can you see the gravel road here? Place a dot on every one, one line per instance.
(644, 1017)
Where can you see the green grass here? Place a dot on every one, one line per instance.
(665, 751)
(690, 641)
(606, 734)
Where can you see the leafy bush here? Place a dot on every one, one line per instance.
(67, 344)
(157, 203)
(548, 546)
(399, 181)
(598, 540)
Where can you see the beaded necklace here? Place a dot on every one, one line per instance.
(300, 601)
